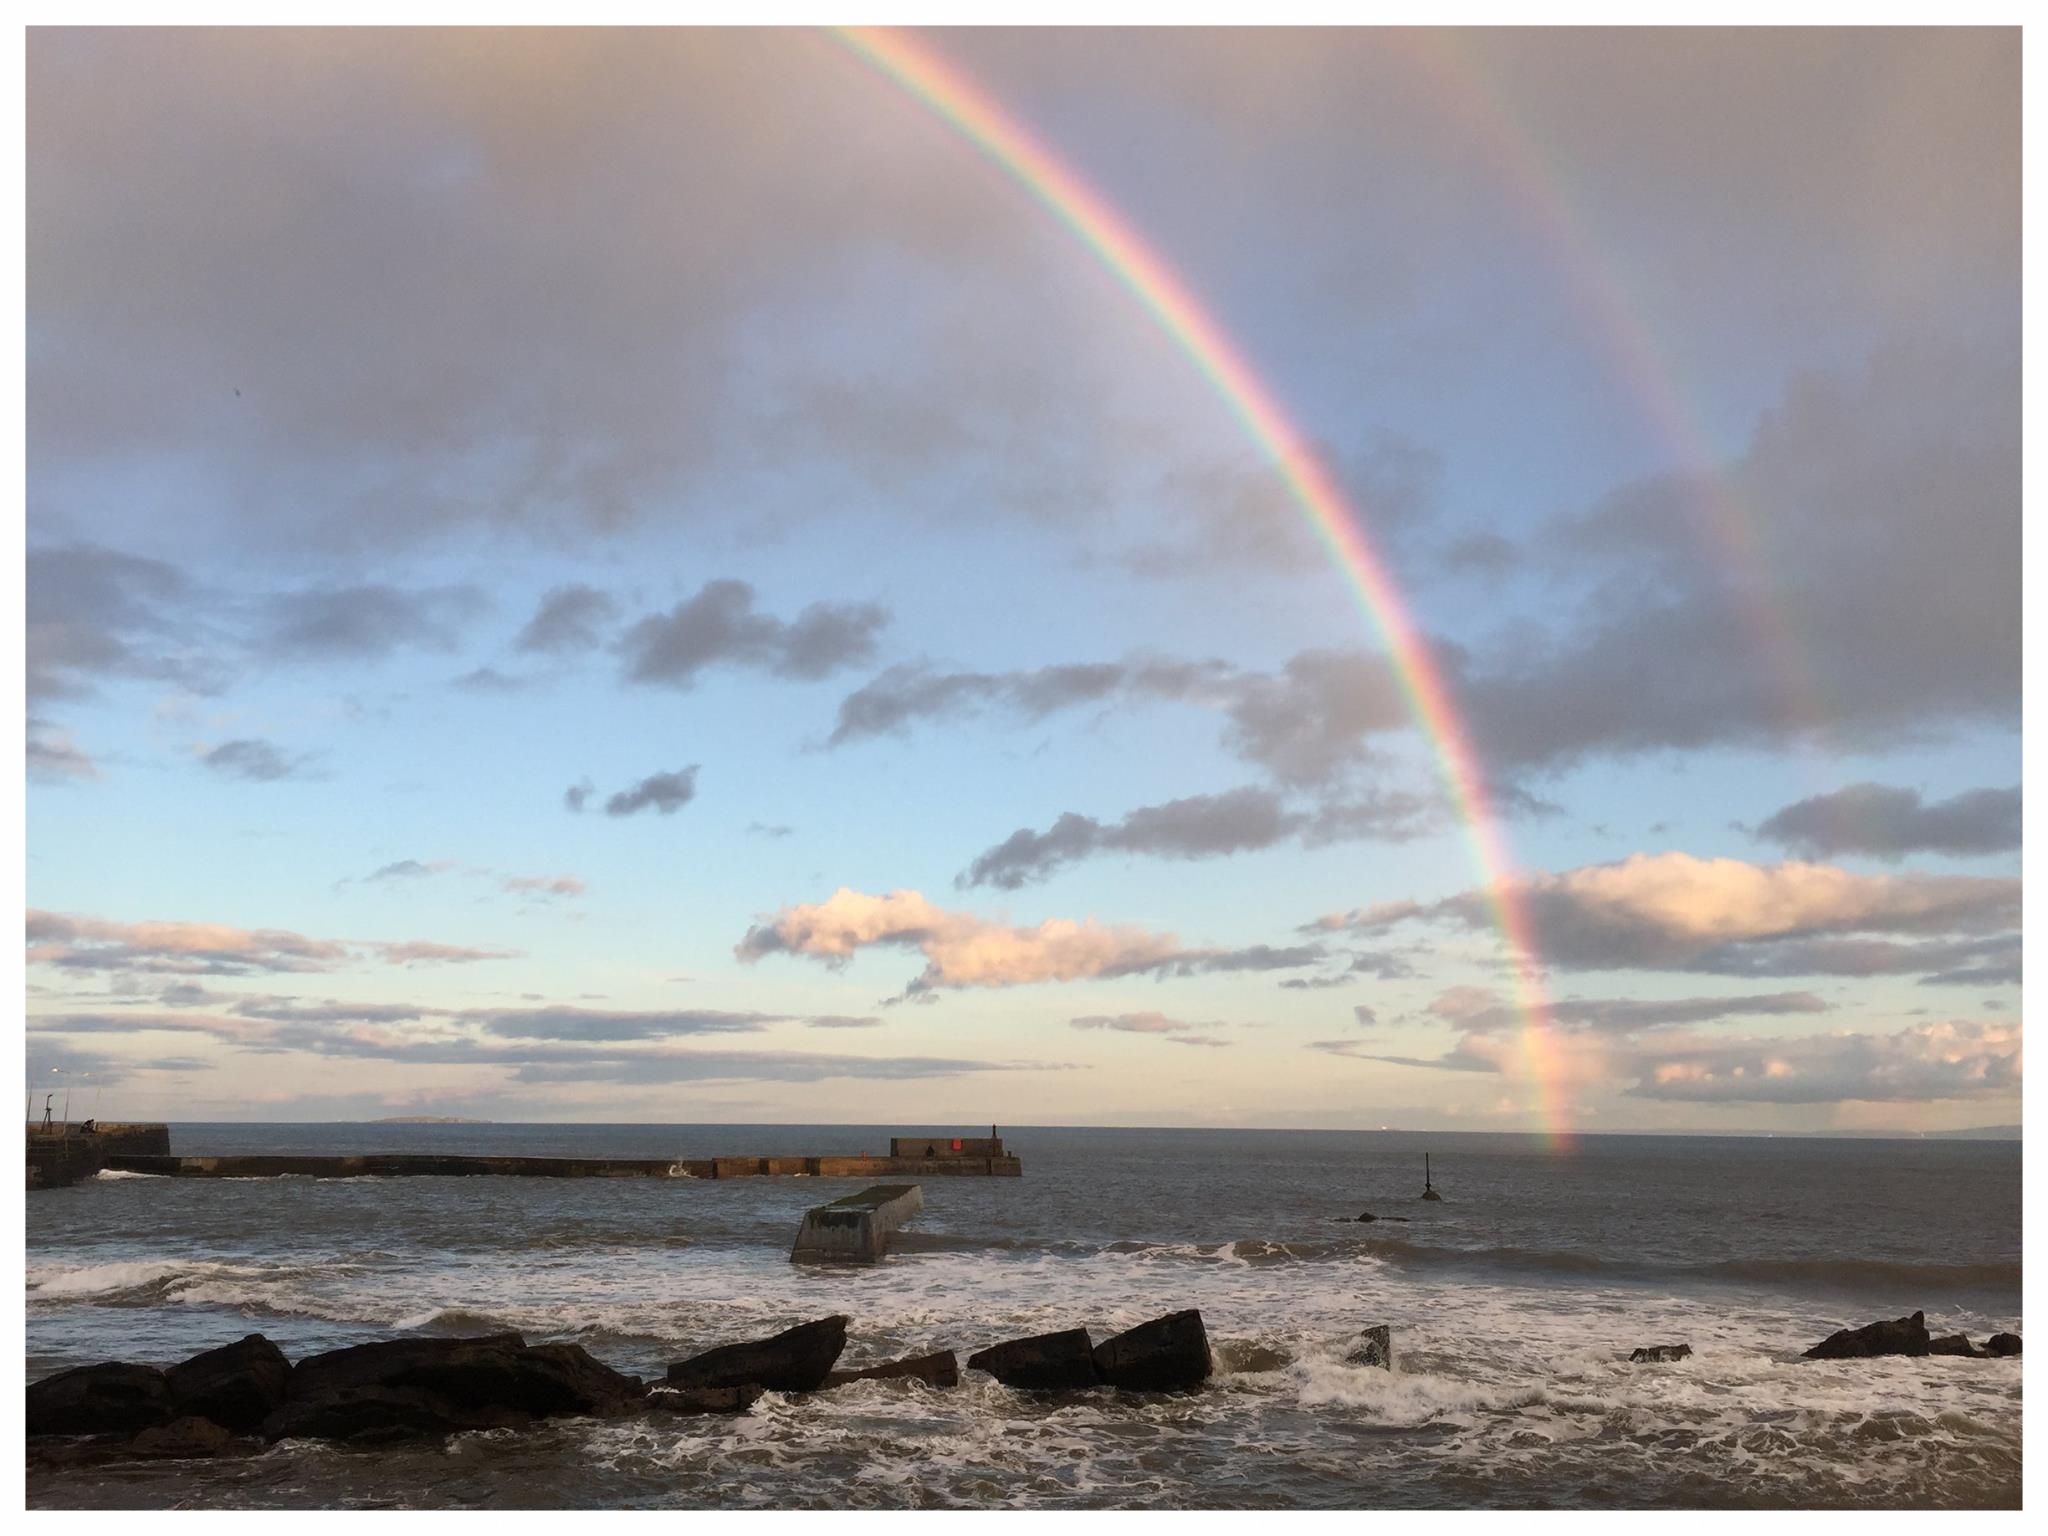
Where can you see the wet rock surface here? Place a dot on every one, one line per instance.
(236, 1386)
(937, 1370)
(1168, 1354)
(1046, 1362)
(1899, 1336)
(796, 1360)
(1659, 1354)
(109, 1399)
(1374, 1347)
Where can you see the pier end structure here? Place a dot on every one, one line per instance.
(60, 1154)
(854, 1229)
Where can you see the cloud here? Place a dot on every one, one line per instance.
(408, 869)
(53, 757)
(1920, 1064)
(543, 885)
(772, 830)
(962, 950)
(1483, 1010)
(1875, 623)
(1196, 827)
(1173, 1031)
(254, 759)
(425, 952)
(577, 795)
(490, 680)
(1304, 724)
(214, 949)
(843, 1021)
(367, 622)
(720, 627)
(95, 613)
(566, 1023)
(569, 619)
(1673, 911)
(1233, 517)
(667, 793)
(1885, 822)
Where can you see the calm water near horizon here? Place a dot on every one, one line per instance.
(1514, 1305)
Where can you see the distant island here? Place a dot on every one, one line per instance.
(428, 1120)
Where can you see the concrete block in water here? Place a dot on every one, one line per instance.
(1168, 1354)
(855, 1229)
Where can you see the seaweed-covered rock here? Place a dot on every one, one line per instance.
(107, 1399)
(1900, 1336)
(796, 1360)
(237, 1386)
(1168, 1354)
(1045, 1362)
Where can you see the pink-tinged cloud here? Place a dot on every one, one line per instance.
(215, 949)
(961, 950)
(1676, 911)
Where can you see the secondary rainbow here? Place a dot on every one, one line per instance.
(966, 108)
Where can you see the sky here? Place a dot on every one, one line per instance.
(641, 576)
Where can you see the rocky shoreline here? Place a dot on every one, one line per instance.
(243, 1397)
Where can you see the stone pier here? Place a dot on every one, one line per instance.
(856, 1228)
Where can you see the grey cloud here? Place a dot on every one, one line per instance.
(775, 830)
(95, 613)
(367, 622)
(1232, 517)
(491, 680)
(565, 1023)
(407, 869)
(576, 796)
(254, 759)
(843, 1021)
(569, 619)
(667, 793)
(1888, 822)
(1626, 1015)
(1875, 622)
(719, 626)
(52, 757)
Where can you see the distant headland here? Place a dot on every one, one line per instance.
(428, 1120)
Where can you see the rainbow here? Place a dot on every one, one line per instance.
(1473, 98)
(1109, 238)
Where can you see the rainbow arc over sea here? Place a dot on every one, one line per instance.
(956, 100)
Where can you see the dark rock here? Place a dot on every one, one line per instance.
(939, 1370)
(189, 1439)
(1168, 1354)
(1901, 1336)
(1375, 1347)
(795, 1360)
(1046, 1362)
(702, 1399)
(110, 1399)
(1367, 1216)
(1658, 1354)
(1245, 1359)
(237, 1386)
(1957, 1344)
(2002, 1344)
(402, 1387)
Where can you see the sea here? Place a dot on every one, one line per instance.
(1514, 1303)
